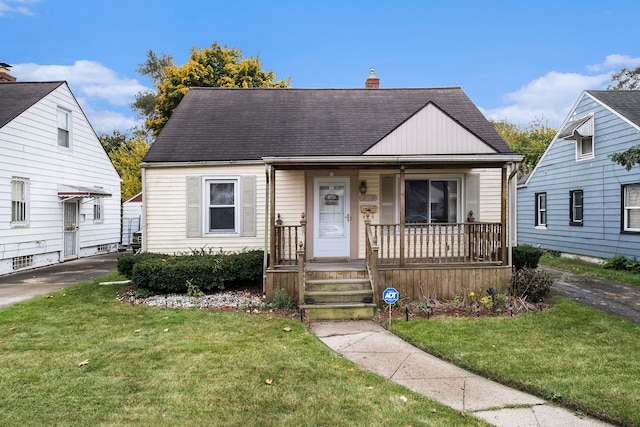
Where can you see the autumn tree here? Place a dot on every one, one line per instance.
(530, 142)
(217, 66)
(126, 157)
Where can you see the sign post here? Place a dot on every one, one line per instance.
(390, 296)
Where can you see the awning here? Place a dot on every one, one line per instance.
(577, 129)
(75, 191)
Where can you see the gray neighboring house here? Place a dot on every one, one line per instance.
(577, 200)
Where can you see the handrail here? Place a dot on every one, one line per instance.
(287, 238)
(371, 258)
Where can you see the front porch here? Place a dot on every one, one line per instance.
(421, 261)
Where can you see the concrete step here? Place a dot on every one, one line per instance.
(338, 311)
(339, 296)
(337, 284)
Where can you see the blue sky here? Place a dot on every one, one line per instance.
(517, 60)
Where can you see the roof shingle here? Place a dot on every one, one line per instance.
(16, 97)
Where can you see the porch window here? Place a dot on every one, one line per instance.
(575, 208)
(98, 208)
(431, 200)
(222, 199)
(631, 207)
(63, 128)
(19, 201)
(541, 209)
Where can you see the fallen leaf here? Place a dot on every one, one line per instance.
(84, 362)
(268, 381)
(49, 296)
(12, 328)
(287, 329)
(370, 388)
(404, 399)
(165, 317)
(433, 410)
(137, 330)
(139, 316)
(350, 369)
(166, 330)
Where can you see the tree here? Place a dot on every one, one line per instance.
(625, 79)
(154, 68)
(530, 142)
(113, 141)
(627, 158)
(217, 66)
(127, 158)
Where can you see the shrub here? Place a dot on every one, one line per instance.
(620, 262)
(281, 299)
(241, 268)
(127, 260)
(526, 256)
(172, 274)
(530, 284)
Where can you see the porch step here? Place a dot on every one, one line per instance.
(338, 311)
(338, 298)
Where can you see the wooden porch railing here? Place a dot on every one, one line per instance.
(472, 242)
(288, 241)
(371, 257)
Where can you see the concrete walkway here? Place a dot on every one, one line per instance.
(374, 348)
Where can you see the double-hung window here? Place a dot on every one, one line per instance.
(19, 201)
(541, 209)
(98, 210)
(222, 209)
(631, 207)
(63, 128)
(585, 147)
(432, 200)
(576, 210)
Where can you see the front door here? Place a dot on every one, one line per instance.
(70, 211)
(332, 218)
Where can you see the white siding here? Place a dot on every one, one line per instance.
(430, 131)
(29, 149)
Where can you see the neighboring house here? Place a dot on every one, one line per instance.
(577, 200)
(376, 185)
(131, 218)
(59, 192)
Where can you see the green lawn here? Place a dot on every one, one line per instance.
(79, 357)
(584, 267)
(576, 356)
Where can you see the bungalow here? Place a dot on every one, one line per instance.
(348, 191)
(577, 201)
(59, 192)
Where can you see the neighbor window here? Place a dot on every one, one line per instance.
(631, 209)
(98, 208)
(63, 128)
(19, 201)
(576, 207)
(541, 209)
(431, 200)
(585, 147)
(222, 209)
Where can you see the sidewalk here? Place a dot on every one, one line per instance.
(374, 348)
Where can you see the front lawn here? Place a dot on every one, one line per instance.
(80, 357)
(576, 356)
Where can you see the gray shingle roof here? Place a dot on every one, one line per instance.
(214, 124)
(16, 97)
(625, 102)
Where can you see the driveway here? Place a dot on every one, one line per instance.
(21, 286)
(611, 297)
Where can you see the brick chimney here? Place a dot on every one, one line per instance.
(372, 82)
(5, 75)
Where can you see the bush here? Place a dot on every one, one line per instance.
(622, 263)
(196, 272)
(281, 299)
(526, 256)
(530, 284)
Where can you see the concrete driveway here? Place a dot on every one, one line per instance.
(24, 285)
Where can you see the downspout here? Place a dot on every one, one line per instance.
(265, 261)
(143, 225)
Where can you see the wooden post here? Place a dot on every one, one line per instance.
(503, 215)
(402, 215)
(300, 254)
(272, 216)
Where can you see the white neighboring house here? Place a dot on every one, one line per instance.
(59, 191)
(131, 218)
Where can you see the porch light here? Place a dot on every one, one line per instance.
(363, 187)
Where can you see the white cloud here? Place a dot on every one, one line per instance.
(103, 95)
(16, 6)
(550, 97)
